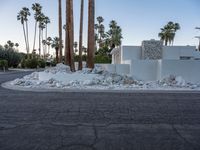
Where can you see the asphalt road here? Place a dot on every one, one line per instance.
(98, 121)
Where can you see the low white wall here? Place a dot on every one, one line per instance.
(116, 68)
(130, 53)
(152, 70)
(146, 70)
(123, 69)
(188, 69)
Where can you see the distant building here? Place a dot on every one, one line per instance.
(153, 61)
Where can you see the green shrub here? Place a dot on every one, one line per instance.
(31, 63)
(41, 63)
(102, 59)
(23, 63)
(53, 63)
(13, 57)
(3, 64)
(76, 58)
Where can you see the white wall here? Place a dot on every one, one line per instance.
(175, 52)
(188, 69)
(146, 70)
(130, 53)
(117, 68)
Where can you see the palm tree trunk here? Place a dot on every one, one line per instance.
(48, 49)
(57, 59)
(67, 53)
(80, 65)
(91, 33)
(60, 28)
(71, 36)
(166, 42)
(42, 32)
(35, 35)
(27, 37)
(46, 40)
(39, 42)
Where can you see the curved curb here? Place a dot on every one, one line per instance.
(7, 85)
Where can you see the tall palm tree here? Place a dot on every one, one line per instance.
(55, 45)
(20, 17)
(37, 8)
(23, 17)
(41, 28)
(80, 64)
(91, 33)
(46, 22)
(60, 27)
(26, 14)
(69, 35)
(44, 43)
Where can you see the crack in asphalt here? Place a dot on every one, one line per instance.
(184, 138)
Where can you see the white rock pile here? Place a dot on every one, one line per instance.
(60, 77)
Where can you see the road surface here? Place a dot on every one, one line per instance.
(97, 121)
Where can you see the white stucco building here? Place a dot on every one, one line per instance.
(153, 61)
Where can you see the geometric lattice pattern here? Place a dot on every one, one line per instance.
(152, 50)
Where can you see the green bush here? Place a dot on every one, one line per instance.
(76, 58)
(41, 63)
(3, 64)
(102, 59)
(31, 63)
(13, 58)
(53, 63)
(23, 63)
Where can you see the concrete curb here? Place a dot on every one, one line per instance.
(7, 85)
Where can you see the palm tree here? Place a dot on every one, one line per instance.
(10, 44)
(20, 17)
(41, 28)
(69, 35)
(26, 14)
(114, 35)
(44, 43)
(176, 28)
(91, 33)
(37, 8)
(60, 27)
(80, 64)
(55, 45)
(16, 45)
(168, 33)
(23, 17)
(100, 29)
(49, 40)
(46, 22)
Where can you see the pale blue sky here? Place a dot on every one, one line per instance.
(139, 19)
